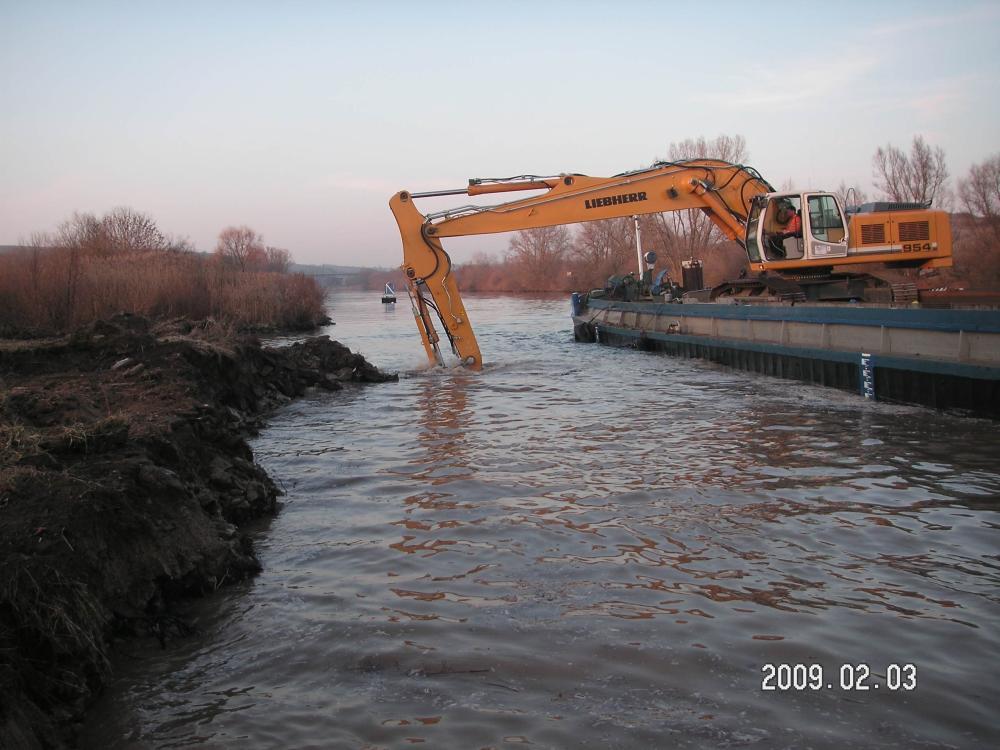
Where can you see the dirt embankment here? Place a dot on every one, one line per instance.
(124, 478)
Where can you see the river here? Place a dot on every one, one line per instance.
(586, 547)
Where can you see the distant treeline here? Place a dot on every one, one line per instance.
(93, 267)
(976, 258)
(563, 271)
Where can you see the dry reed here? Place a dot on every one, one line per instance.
(60, 288)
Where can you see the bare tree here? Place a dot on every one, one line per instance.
(679, 235)
(120, 230)
(980, 192)
(38, 243)
(732, 148)
(603, 248)
(176, 244)
(239, 246)
(277, 259)
(81, 232)
(127, 230)
(850, 195)
(921, 176)
(484, 273)
(537, 256)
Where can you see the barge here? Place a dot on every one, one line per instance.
(943, 358)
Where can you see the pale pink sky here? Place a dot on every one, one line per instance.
(302, 119)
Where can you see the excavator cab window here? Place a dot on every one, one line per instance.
(782, 235)
(825, 220)
(753, 221)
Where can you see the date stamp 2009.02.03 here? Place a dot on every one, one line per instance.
(854, 677)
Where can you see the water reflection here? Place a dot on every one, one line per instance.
(443, 420)
(440, 459)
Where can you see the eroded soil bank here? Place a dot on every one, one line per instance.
(124, 479)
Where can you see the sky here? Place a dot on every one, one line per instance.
(301, 119)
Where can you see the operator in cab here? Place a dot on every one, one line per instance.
(787, 224)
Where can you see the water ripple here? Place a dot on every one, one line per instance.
(588, 547)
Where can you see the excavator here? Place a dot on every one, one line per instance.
(803, 246)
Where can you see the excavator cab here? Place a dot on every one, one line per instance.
(795, 228)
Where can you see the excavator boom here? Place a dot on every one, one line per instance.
(722, 190)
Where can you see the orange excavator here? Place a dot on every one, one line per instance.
(802, 246)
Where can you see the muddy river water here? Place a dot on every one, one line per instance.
(584, 547)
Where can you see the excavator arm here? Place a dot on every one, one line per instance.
(722, 190)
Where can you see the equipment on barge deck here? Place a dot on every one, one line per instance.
(389, 295)
(801, 244)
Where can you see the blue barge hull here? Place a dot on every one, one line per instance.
(947, 359)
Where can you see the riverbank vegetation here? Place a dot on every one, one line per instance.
(93, 267)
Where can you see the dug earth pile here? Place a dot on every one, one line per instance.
(125, 477)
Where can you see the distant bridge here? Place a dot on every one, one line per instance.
(335, 278)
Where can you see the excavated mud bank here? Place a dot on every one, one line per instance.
(124, 479)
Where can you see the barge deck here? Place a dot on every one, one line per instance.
(943, 358)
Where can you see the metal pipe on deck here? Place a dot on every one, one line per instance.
(638, 247)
